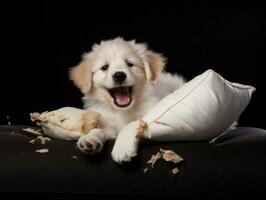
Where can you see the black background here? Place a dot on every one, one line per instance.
(43, 39)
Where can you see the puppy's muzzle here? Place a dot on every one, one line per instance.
(119, 77)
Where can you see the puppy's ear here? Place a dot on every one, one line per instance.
(154, 64)
(81, 75)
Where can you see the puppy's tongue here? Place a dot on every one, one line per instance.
(122, 96)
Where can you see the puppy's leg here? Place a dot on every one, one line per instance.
(126, 144)
(92, 142)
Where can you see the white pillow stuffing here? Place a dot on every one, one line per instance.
(201, 109)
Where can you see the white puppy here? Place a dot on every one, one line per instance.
(122, 80)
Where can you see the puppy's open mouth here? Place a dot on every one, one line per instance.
(122, 95)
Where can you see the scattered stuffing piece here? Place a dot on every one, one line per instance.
(145, 170)
(154, 159)
(74, 157)
(42, 139)
(175, 170)
(170, 156)
(42, 151)
(32, 141)
(33, 131)
(8, 120)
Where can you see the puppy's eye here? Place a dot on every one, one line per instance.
(130, 64)
(105, 67)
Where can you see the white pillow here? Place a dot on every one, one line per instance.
(201, 109)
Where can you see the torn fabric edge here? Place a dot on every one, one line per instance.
(143, 126)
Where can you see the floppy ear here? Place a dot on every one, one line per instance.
(81, 75)
(154, 64)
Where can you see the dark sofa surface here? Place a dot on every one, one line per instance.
(235, 164)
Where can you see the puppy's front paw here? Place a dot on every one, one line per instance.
(126, 145)
(92, 142)
(124, 151)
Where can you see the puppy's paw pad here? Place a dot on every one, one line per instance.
(89, 145)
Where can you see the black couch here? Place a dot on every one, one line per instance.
(234, 166)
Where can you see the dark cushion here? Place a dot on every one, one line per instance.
(235, 164)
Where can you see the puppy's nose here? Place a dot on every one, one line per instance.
(119, 77)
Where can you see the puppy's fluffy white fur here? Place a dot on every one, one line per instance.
(120, 103)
